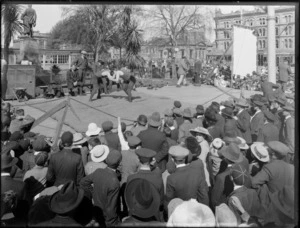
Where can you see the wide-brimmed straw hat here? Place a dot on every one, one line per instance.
(93, 129)
(242, 103)
(142, 198)
(78, 139)
(243, 145)
(260, 152)
(202, 130)
(99, 153)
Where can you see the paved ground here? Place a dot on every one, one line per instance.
(115, 104)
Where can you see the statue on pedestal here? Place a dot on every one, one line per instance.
(29, 20)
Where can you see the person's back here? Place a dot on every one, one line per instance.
(155, 141)
(113, 140)
(269, 133)
(64, 166)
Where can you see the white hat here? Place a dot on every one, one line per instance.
(174, 203)
(93, 129)
(225, 216)
(243, 145)
(83, 52)
(218, 143)
(202, 130)
(260, 152)
(78, 139)
(99, 153)
(192, 213)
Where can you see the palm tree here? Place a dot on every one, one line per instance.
(11, 26)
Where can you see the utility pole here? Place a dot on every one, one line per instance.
(271, 45)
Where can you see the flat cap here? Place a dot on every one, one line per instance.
(107, 125)
(279, 148)
(39, 144)
(133, 141)
(113, 158)
(145, 152)
(178, 152)
(177, 104)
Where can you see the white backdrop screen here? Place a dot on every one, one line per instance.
(244, 51)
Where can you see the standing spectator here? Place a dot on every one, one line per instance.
(105, 190)
(65, 165)
(269, 132)
(98, 154)
(155, 140)
(199, 116)
(186, 182)
(198, 71)
(214, 160)
(184, 128)
(82, 65)
(284, 73)
(210, 121)
(80, 146)
(182, 71)
(177, 112)
(243, 120)
(257, 120)
(267, 89)
(230, 126)
(111, 138)
(121, 134)
(93, 130)
(171, 124)
(73, 80)
(287, 130)
(260, 156)
(141, 125)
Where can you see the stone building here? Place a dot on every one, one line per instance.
(285, 31)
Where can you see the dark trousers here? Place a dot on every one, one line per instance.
(105, 82)
(128, 87)
(97, 84)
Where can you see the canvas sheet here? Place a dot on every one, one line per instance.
(244, 51)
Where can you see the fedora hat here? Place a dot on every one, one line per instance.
(279, 148)
(99, 153)
(187, 113)
(78, 139)
(7, 160)
(67, 199)
(210, 115)
(242, 103)
(93, 129)
(228, 104)
(200, 109)
(269, 115)
(281, 101)
(230, 139)
(243, 145)
(142, 198)
(227, 112)
(257, 103)
(260, 152)
(284, 200)
(154, 120)
(192, 213)
(177, 111)
(203, 131)
(232, 153)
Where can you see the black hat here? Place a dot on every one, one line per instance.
(200, 109)
(210, 115)
(145, 153)
(177, 104)
(7, 160)
(269, 115)
(239, 174)
(227, 112)
(107, 126)
(67, 199)
(142, 198)
(67, 138)
(142, 120)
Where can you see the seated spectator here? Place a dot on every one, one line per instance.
(191, 213)
(98, 154)
(143, 202)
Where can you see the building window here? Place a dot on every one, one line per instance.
(277, 44)
(251, 22)
(286, 19)
(225, 44)
(191, 53)
(276, 31)
(277, 20)
(263, 44)
(62, 59)
(289, 18)
(262, 21)
(290, 43)
(182, 53)
(285, 43)
(259, 44)
(263, 32)
(290, 30)
(260, 59)
(259, 32)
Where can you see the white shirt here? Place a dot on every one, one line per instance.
(107, 73)
(5, 174)
(180, 165)
(117, 74)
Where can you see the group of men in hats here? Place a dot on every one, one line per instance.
(229, 164)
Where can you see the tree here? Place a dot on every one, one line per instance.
(11, 26)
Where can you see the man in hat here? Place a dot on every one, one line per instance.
(98, 155)
(267, 88)
(210, 122)
(112, 139)
(143, 201)
(82, 65)
(182, 71)
(243, 120)
(187, 181)
(155, 140)
(199, 116)
(65, 165)
(269, 132)
(148, 172)
(248, 197)
(97, 80)
(230, 126)
(184, 128)
(277, 173)
(287, 129)
(73, 80)
(177, 113)
(220, 119)
(231, 154)
(106, 189)
(64, 204)
(140, 125)
(284, 73)
(11, 186)
(257, 120)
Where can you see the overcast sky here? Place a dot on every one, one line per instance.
(49, 15)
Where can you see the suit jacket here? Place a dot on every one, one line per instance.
(243, 124)
(267, 89)
(113, 140)
(215, 131)
(81, 63)
(198, 66)
(65, 166)
(186, 183)
(156, 140)
(275, 175)
(154, 177)
(249, 200)
(59, 221)
(184, 130)
(220, 122)
(287, 133)
(179, 121)
(256, 123)
(105, 192)
(198, 121)
(268, 133)
(284, 72)
(231, 126)
(129, 164)
(137, 129)
(134, 222)
(182, 67)
(72, 76)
